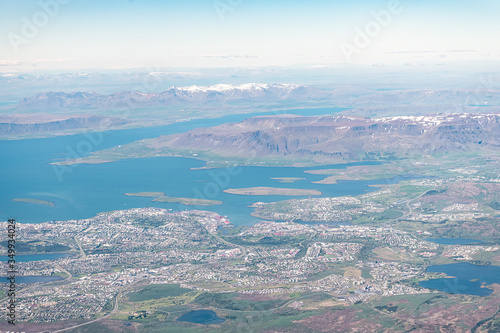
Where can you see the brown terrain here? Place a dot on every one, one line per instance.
(36, 124)
(339, 138)
(441, 313)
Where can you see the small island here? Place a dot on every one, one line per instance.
(145, 194)
(287, 179)
(188, 201)
(161, 197)
(35, 201)
(272, 191)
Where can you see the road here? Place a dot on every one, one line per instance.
(115, 308)
(46, 283)
(410, 210)
(84, 256)
(222, 240)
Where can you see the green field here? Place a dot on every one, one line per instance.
(157, 291)
(232, 301)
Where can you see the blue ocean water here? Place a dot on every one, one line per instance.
(81, 191)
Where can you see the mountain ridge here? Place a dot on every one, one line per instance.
(174, 95)
(324, 139)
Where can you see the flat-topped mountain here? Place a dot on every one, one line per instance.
(39, 124)
(341, 137)
(321, 139)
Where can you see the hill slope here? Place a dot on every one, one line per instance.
(324, 139)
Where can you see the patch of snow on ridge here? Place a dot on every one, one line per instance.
(436, 120)
(243, 87)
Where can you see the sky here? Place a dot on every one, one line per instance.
(63, 34)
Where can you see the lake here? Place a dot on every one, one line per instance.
(454, 241)
(205, 317)
(37, 257)
(88, 189)
(467, 278)
(32, 279)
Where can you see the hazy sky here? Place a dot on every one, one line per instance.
(208, 33)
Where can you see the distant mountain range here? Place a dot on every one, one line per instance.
(337, 138)
(253, 92)
(260, 96)
(33, 125)
(55, 113)
(82, 109)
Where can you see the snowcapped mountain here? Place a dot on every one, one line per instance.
(242, 87)
(340, 138)
(252, 92)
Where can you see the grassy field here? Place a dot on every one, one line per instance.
(233, 301)
(352, 272)
(235, 322)
(157, 291)
(387, 253)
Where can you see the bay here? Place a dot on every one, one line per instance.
(83, 190)
(465, 278)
